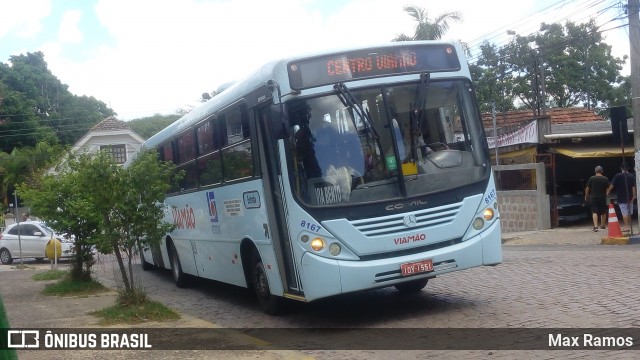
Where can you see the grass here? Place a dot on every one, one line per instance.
(68, 286)
(135, 313)
(131, 307)
(50, 275)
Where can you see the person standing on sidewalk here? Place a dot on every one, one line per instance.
(624, 184)
(596, 194)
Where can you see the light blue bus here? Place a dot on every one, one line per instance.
(333, 173)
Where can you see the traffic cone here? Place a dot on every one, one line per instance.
(614, 226)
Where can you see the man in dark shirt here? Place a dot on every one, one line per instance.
(596, 193)
(625, 185)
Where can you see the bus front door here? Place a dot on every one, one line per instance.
(274, 199)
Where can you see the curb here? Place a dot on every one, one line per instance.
(615, 240)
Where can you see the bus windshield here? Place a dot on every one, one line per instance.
(382, 143)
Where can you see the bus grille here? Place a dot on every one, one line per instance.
(392, 224)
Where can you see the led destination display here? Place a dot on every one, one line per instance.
(372, 63)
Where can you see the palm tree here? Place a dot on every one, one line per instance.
(426, 29)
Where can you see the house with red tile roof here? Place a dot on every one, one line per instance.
(571, 132)
(113, 135)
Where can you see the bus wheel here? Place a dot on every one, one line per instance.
(146, 266)
(5, 257)
(269, 303)
(412, 286)
(176, 269)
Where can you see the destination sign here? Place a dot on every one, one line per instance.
(370, 63)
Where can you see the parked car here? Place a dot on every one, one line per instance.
(34, 236)
(571, 205)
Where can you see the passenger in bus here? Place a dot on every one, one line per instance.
(306, 152)
(326, 147)
(350, 151)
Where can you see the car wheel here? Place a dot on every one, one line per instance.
(412, 286)
(269, 303)
(176, 269)
(5, 257)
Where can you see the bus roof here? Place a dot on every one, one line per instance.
(272, 71)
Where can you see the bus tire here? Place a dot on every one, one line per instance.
(179, 277)
(5, 257)
(146, 266)
(269, 303)
(412, 286)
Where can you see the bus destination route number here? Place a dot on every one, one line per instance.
(418, 267)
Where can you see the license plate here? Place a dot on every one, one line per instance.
(417, 267)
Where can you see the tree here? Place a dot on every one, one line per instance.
(571, 63)
(136, 221)
(426, 29)
(17, 166)
(107, 206)
(29, 89)
(149, 126)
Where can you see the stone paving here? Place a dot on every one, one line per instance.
(552, 278)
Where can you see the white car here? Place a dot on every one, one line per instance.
(34, 237)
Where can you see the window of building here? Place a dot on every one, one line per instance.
(118, 152)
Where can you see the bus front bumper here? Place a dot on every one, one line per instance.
(322, 277)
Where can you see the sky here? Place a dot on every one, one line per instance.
(146, 57)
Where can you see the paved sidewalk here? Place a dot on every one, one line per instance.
(27, 308)
(576, 234)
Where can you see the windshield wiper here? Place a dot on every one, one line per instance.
(347, 98)
(419, 105)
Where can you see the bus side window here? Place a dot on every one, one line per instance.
(237, 160)
(166, 154)
(186, 160)
(209, 164)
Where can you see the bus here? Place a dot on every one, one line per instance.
(332, 173)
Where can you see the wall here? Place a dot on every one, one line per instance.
(523, 210)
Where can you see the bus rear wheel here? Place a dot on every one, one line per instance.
(269, 303)
(179, 277)
(412, 286)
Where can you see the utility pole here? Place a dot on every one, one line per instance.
(634, 44)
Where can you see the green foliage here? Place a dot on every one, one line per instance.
(49, 275)
(426, 28)
(5, 354)
(105, 205)
(577, 68)
(149, 126)
(17, 166)
(136, 313)
(69, 286)
(37, 107)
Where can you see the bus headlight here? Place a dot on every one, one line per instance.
(304, 238)
(488, 214)
(317, 244)
(334, 249)
(478, 223)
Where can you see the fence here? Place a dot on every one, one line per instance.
(522, 198)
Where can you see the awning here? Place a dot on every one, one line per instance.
(591, 151)
(523, 156)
